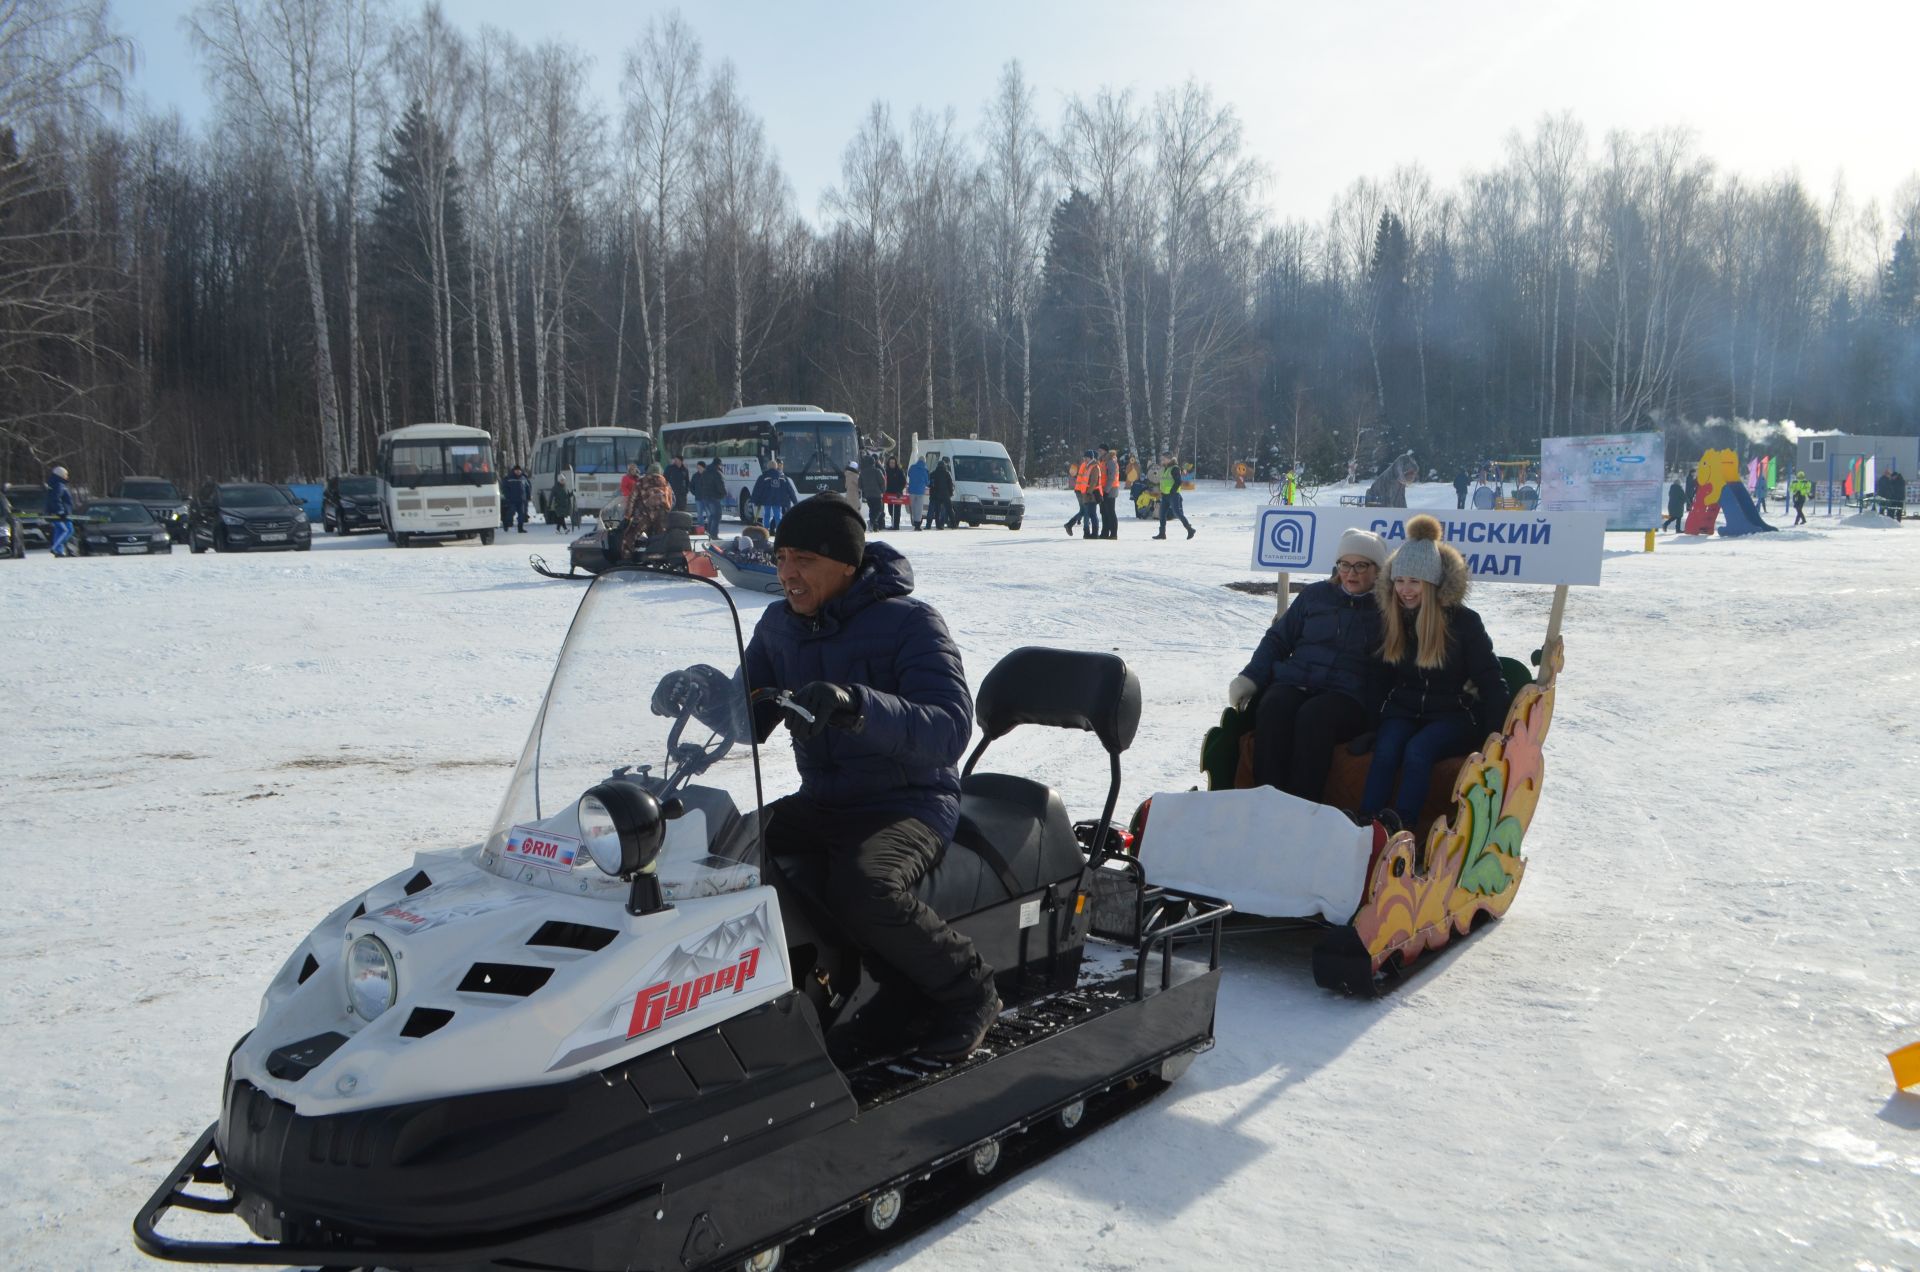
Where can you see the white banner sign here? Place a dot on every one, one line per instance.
(1500, 547)
(1620, 474)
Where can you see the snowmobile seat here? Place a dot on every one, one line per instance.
(1014, 835)
(1014, 838)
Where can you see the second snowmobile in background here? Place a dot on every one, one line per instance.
(597, 1039)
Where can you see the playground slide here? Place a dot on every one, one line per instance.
(1742, 517)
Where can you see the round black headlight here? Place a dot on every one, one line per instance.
(623, 826)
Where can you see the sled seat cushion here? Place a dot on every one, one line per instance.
(1012, 831)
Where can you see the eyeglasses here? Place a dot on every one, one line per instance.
(1354, 567)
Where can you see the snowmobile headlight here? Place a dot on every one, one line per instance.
(372, 984)
(623, 826)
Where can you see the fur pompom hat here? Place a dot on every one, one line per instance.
(1424, 557)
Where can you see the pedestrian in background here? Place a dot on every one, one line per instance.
(873, 492)
(560, 503)
(677, 478)
(1171, 505)
(1110, 494)
(1676, 507)
(896, 490)
(59, 511)
(917, 478)
(940, 492)
(709, 490)
(1460, 487)
(1087, 477)
(515, 493)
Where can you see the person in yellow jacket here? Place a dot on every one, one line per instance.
(1801, 488)
(1171, 504)
(1089, 476)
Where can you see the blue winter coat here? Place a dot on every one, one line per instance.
(59, 498)
(1326, 640)
(774, 490)
(514, 491)
(894, 653)
(917, 478)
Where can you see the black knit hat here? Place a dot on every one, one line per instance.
(826, 524)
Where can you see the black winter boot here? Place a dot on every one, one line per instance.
(960, 1025)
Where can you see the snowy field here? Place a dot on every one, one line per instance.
(1670, 1053)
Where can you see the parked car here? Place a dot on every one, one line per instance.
(30, 508)
(12, 542)
(351, 502)
(119, 527)
(238, 516)
(162, 499)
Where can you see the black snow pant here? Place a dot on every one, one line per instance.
(876, 513)
(1110, 520)
(860, 868)
(1295, 731)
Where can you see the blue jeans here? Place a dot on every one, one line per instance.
(62, 531)
(1410, 749)
(770, 515)
(710, 515)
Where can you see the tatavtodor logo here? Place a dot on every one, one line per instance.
(1286, 539)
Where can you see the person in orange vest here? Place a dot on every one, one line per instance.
(1109, 491)
(1088, 478)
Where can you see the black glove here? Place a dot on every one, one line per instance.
(679, 690)
(831, 705)
(1360, 745)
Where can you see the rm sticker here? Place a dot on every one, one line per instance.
(542, 848)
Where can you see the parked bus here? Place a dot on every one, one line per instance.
(815, 445)
(594, 460)
(438, 481)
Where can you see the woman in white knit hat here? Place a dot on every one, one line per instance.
(1438, 655)
(1316, 673)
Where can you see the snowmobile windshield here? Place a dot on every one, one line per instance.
(648, 692)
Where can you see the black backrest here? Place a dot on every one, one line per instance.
(1063, 689)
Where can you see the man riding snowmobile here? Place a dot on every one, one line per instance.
(880, 715)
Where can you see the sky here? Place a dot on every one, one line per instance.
(1326, 92)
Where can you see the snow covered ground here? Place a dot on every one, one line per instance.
(1669, 1053)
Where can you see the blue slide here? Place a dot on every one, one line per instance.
(1736, 502)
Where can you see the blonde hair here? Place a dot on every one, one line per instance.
(1430, 630)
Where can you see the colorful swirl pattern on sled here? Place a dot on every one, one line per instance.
(1472, 864)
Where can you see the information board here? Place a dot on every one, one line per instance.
(1620, 474)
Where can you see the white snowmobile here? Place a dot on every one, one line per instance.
(598, 1038)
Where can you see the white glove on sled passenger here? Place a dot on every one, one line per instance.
(1241, 692)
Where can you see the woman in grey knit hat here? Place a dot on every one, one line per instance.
(1446, 691)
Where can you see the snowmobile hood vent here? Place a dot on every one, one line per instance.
(572, 936)
(511, 979)
(424, 1020)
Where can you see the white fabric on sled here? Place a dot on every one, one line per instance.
(1267, 852)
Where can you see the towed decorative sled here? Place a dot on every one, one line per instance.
(598, 1039)
(1383, 899)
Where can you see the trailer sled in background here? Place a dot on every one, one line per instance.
(599, 549)
(1383, 899)
(598, 1039)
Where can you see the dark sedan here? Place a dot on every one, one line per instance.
(241, 516)
(119, 527)
(351, 502)
(30, 512)
(12, 542)
(162, 499)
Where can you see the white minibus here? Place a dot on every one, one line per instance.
(438, 481)
(815, 445)
(594, 460)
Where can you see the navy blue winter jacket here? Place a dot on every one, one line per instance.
(1426, 695)
(894, 653)
(1327, 640)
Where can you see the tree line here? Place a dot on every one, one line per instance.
(392, 219)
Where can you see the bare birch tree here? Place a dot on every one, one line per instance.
(661, 88)
(1016, 200)
(270, 60)
(1098, 154)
